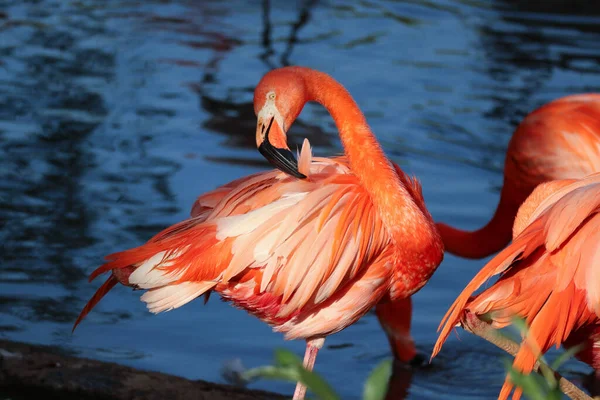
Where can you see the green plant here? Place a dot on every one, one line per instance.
(542, 386)
(288, 367)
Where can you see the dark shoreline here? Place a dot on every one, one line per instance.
(32, 370)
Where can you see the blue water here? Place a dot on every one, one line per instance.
(116, 115)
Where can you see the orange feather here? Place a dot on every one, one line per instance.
(548, 273)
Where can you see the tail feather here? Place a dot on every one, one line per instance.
(166, 259)
(524, 362)
(563, 313)
(169, 240)
(100, 293)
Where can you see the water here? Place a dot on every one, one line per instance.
(115, 115)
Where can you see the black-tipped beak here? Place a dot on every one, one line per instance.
(282, 159)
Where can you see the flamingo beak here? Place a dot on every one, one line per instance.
(280, 157)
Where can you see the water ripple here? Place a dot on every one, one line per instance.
(115, 115)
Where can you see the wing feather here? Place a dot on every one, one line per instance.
(317, 249)
(297, 241)
(549, 273)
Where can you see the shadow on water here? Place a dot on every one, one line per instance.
(114, 116)
(399, 383)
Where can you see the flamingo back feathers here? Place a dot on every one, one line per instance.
(560, 140)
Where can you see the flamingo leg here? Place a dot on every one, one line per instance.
(395, 317)
(310, 355)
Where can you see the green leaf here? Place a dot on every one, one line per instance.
(534, 385)
(289, 368)
(555, 394)
(521, 325)
(565, 356)
(377, 383)
(548, 374)
(271, 372)
(287, 358)
(316, 384)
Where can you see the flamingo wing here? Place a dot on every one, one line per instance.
(299, 241)
(206, 202)
(549, 272)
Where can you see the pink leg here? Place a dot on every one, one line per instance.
(310, 355)
(394, 317)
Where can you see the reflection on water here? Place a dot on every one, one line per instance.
(304, 14)
(399, 383)
(233, 117)
(550, 39)
(115, 115)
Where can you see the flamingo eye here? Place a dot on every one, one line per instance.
(271, 96)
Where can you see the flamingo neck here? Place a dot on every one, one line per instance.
(411, 229)
(491, 238)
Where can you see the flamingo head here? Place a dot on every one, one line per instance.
(278, 100)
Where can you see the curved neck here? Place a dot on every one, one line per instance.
(365, 155)
(491, 238)
(397, 208)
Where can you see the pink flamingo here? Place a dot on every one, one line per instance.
(549, 275)
(308, 251)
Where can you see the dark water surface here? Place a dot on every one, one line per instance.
(115, 115)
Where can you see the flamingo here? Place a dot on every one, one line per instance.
(560, 140)
(309, 248)
(549, 275)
